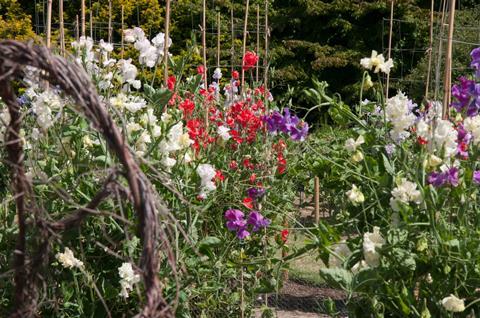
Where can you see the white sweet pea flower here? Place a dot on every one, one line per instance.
(472, 125)
(206, 173)
(355, 195)
(399, 114)
(453, 304)
(351, 144)
(68, 260)
(127, 279)
(377, 63)
(224, 132)
(372, 241)
(405, 192)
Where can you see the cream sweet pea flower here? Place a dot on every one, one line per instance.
(127, 278)
(351, 144)
(355, 195)
(453, 304)
(68, 260)
(372, 241)
(357, 156)
(405, 192)
(377, 63)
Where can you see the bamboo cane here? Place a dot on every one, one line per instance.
(49, 23)
(257, 49)
(430, 51)
(62, 28)
(448, 62)
(218, 39)
(83, 17)
(122, 40)
(387, 86)
(232, 52)
(165, 47)
(244, 44)
(109, 21)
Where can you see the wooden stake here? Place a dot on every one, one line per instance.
(165, 47)
(62, 28)
(109, 21)
(218, 39)
(430, 51)
(387, 86)
(83, 17)
(91, 23)
(123, 29)
(265, 61)
(49, 23)
(244, 44)
(77, 31)
(317, 200)
(232, 52)
(258, 42)
(204, 44)
(448, 62)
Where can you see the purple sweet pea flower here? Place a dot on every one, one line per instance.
(242, 233)
(390, 149)
(289, 122)
(235, 219)
(273, 121)
(463, 138)
(438, 179)
(299, 134)
(257, 220)
(476, 177)
(255, 193)
(452, 176)
(475, 54)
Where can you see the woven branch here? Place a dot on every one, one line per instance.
(73, 80)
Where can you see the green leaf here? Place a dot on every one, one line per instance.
(338, 277)
(158, 97)
(388, 167)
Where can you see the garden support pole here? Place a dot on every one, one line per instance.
(232, 52)
(448, 62)
(109, 21)
(62, 28)
(83, 17)
(258, 42)
(204, 47)
(49, 23)
(265, 61)
(430, 52)
(244, 44)
(387, 86)
(123, 30)
(91, 23)
(77, 31)
(218, 39)
(165, 45)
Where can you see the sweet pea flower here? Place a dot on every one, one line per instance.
(258, 221)
(255, 193)
(476, 177)
(355, 195)
(453, 304)
(235, 219)
(377, 63)
(250, 59)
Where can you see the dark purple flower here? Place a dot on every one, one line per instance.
(273, 121)
(255, 193)
(438, 179)
(289, 122)
(299, 134)
(242, 233)
(452, 176)
(476, 177)
(475, 54)
(235, 219)
(257, 220)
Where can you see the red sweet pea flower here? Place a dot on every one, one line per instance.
(171, 82)
(201, 69)
(187, 106)
(253, 177)
(249, 60)
(233, 165)
(284, 234)
(422, 141)
(219, 176)
(248, 203)
(281, 164)
(235, 74)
